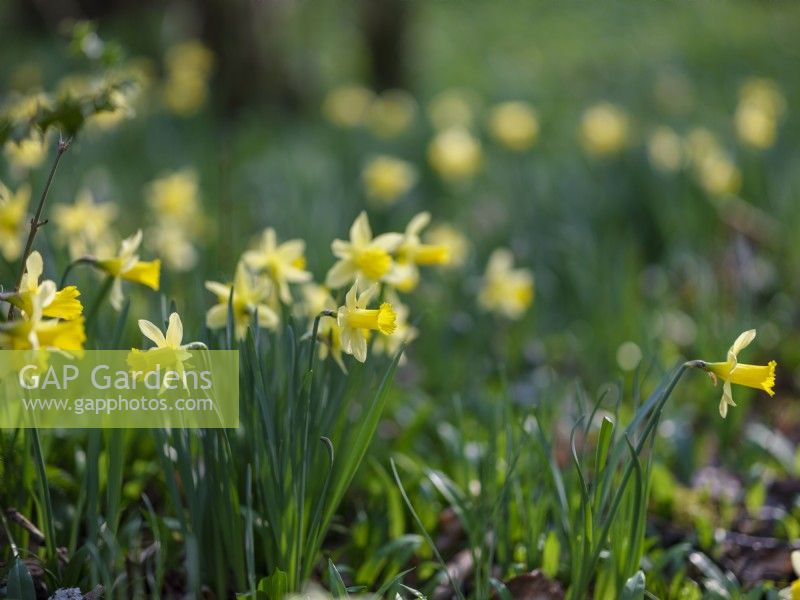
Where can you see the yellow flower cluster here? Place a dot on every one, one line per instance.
(174, 200)
(43, 317)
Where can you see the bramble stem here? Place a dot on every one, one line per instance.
(37, 221)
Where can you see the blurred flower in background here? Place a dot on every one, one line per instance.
(13, 208)
(455, 154)
(506, 291)
(761, 105)
(713, 166)
(514, 125)
(451, 238)
(347, 106)
(85, 226)
(665, 150)
(386, 179)
(604, 130)
(188, 69)
(453, 108)
(391, 113)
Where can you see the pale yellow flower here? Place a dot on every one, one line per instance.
(761, 105)
(515, 125)
(126, 265)
(404, 332)
(363, 256)
(356, 320)
(718, 174)
(250, 297)
(665, 150)
(455, 154)
(173, 245)
(28, 153)
(760, 377)
(347, 106)
(386, 178)
(506, 291)
(605, 129)
(85, 226)
(452, 239)
(454, 108)
(189, 66)
(34, 332)
(283, 263)
(175, 197)
(55, 303)
(391, 113)
(13, 209)
(413, 252)
(169, 353)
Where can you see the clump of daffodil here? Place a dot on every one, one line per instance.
(455, 154)
(363, 257)
(27, 153)
(386, 179)
(13, 208)
(451, 238)
(793, 591)
(127, 266)
(283, 263)
(347, 106)
(515, 125)
(356, 320)
(33, 332)
(413, 252)
(250, 297)
(761, 105)
(605, 129)
(731, 371)
(404, 332)
(54, 303)
(391, 113)
(169, 352)
(506, 291)
(453, 108)
(85, 226)
(189, 66)
(665, 150)
(174, 201)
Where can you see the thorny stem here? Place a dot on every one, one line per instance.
(37, 221)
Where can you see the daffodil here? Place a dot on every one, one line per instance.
(386, 179)
(60, 304)
(363, 256)
(347, 106)
(126, 265)
(13, 208)
(250, 297)
(455, 154)
(356, 320)
(761, 105)
(404, 332)
(604, 129)
(283, 263)
(169, 352)
(760, 377)
(85, 225)
(413, 252)
(36, 333)
(173, 245)
(175, 197)
(451, 238)
(453, 108)
(793, 591)
(506, 291)
(515, 125)
(391, 113)
(665, 150)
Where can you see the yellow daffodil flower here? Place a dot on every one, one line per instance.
(404, 332)
(172, 244)
(363, 256)
(169, 352)
(760, 377)
(455, 154)
(453, 108)
(452, 239)
(175, 197)
(412, 252)
(126, 265)
(59, 304)
(713, 167)
(283, 263)
(189, 66)
(36, 333)
(793, 591)
(515, 125)
(85, 226)
(356, 320)
(506, 291)
(391, 113)
(347, 106)
(385, 179)
(13, 208)
(761, 105)
(665, 150)
(250, 296)
(604, 129)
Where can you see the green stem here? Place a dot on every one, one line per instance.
(91, 314)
